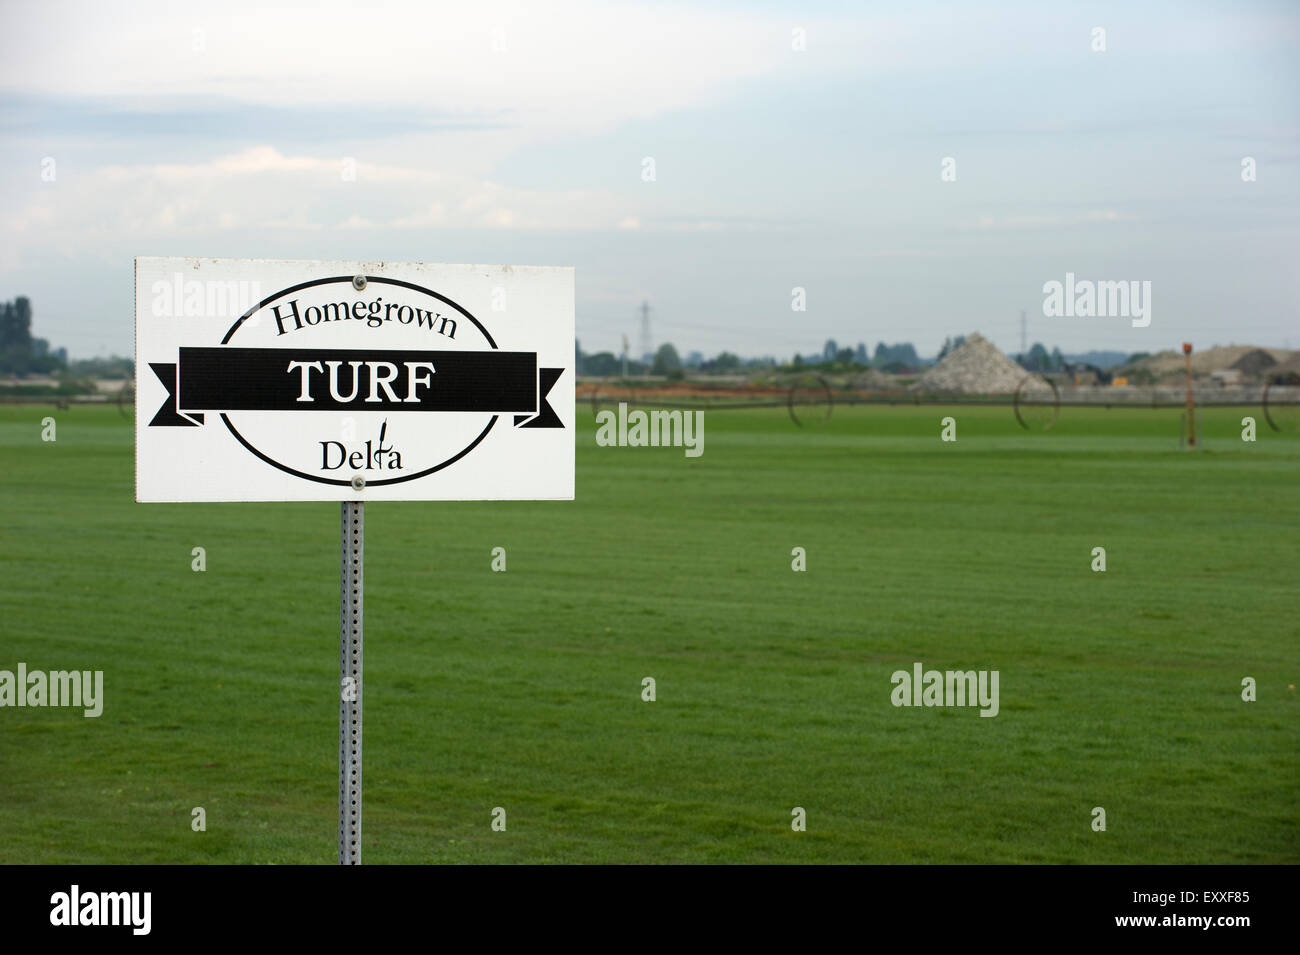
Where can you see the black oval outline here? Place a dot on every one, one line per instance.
(348, 278)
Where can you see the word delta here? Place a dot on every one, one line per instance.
(376, 456)
(103, 908)
(950, 688)
(56, 688)
(373, 314)
(669, 429)
(1088, 299)
(380, 375)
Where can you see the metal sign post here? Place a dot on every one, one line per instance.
(351, 580)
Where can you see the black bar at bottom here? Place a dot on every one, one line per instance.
(922, 905)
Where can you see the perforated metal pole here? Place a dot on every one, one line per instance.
(351, 578)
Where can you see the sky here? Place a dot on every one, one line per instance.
(794, 146)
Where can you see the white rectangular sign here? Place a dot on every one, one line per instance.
(266, 380)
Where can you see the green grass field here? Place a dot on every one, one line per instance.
(523, 689)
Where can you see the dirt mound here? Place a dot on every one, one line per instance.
(1168, 364)
(1254, 362)
(1288, 371)
(976, 367)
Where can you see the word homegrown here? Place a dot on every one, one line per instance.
(949, 688)
(640, 429)
(57, 688)
(373, 314)
(1088, 299)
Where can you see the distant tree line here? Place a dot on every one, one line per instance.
(20, 353)
(1039, 359)
(23, 354)
(895, 357)
(899, 358)
(666, 361)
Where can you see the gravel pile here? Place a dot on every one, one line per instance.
(976, 368)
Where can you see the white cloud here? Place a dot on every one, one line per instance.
(573, 64)
(1050, 221)
(263, 188)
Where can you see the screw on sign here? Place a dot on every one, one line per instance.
(351, 382)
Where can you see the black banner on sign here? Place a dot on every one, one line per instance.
(321, 379)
